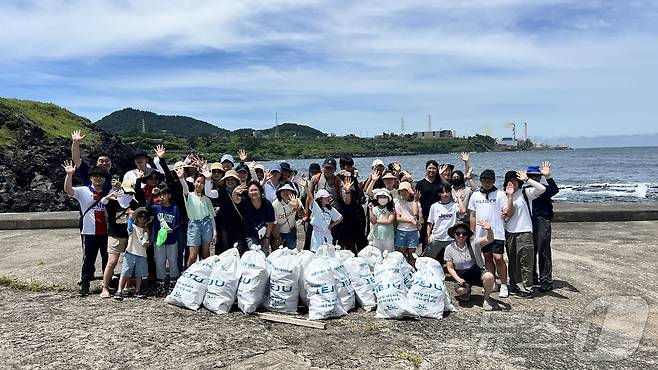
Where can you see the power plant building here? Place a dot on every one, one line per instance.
(442, 134)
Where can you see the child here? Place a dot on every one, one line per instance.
(382, 216)
(167, 216)
(406, 232)
(134, 260)
(324, 217)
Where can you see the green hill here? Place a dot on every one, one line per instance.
(56, 122)
(285, 129)
(129, 120)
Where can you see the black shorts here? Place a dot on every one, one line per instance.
(472, 275)
(496, 246)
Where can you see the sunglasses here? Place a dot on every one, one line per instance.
(460, 233)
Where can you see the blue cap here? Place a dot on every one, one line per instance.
(275, 167)
(227, 157)
(533, 170)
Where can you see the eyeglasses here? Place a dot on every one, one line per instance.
(460, 233)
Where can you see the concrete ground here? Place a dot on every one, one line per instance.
(602, 314)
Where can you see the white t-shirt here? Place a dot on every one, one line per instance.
(137, 240)
(285, 215)
(270, 191)
(321, 218)
(442, 217)
(95, 220)
(403, 209)
(520, 221)
(489, 209)
(461, 257)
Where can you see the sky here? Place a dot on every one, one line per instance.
(568, 68)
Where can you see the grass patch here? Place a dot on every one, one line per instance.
(32, 286)
(41, 261)
(373, 327)
(415, 359)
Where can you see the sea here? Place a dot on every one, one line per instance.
(583, 175)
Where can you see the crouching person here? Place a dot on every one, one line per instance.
(167, 220)
(134, 260)
(465, 263)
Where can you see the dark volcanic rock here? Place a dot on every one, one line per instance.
(31, 175)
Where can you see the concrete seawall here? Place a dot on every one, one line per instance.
(564, 212)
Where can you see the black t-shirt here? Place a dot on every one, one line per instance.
(429, 194)
(254, 218)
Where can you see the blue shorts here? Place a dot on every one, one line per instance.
(406, 239)
(199, 232)
(134, 266)
(496, 246)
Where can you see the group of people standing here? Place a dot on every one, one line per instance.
(163, 219)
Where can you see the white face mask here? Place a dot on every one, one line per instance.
(382, 201)
(124, 200)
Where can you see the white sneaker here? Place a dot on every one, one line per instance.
(504, 293)
(486, 306)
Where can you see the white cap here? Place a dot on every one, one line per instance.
(383, 192)
(377, 162)
(227, 157)
(322, 194)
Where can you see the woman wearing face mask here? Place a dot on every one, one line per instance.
(458, 182)
(324, 217)
(118, 204)
(257, 214)
(442, 216)
(231, 229)
(382, 216)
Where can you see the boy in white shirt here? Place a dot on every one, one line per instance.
(134, 260)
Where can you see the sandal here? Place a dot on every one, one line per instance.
(105, 294)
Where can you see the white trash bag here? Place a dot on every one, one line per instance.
(346, 294)
(191, 286)
(405, 268)
(223, 282)
(343, 254)
(391, 292)
(372, 254)
(283, 266)
(363, 281)
(321, 288)
(304, 257)
(252, 289)
(428, 296)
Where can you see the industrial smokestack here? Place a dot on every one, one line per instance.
(429, 122)
(514, 132)
(525, 131)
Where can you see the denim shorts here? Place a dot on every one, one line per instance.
(199, 232)
(406, 239)
(134, 266)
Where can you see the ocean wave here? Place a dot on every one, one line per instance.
(608, 191)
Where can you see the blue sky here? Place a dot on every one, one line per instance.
(568, 68)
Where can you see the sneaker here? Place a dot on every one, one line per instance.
(160, 288)
(140, 295)
(523, 294)
(118, 296)
(84, 290)
(114, 282)
(545, 288)
(504, 293)
(487, 306)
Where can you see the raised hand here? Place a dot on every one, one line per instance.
(545, 168)
(206, 173)
(459, 193)
(417, 196)
(522, 175)
(241, 189)
(443, 168)
(376, 175)
(180, 172)
(397, 167)
(138, 173)
(469, 174)
(347, 184)
(76, 136)
(406, 176)
(69, 167)
(242, 154)
(484, 224)
(509, 190)
(303, 182)
(159, 151)
(465, 156)
(294, 202)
